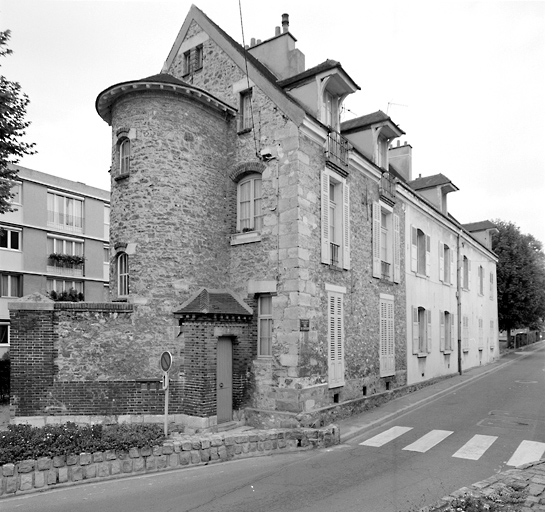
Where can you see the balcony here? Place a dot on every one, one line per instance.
(334, 254)
(65, 265)
(387, 188)
(337, 149)
(385, 270)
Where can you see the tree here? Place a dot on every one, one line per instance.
(520, 278)
(13, 104)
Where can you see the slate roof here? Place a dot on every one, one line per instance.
(323, 66)
(364, 121)
(214, 302)
(479, 226)
(429, 182)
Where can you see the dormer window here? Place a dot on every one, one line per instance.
(331, 114)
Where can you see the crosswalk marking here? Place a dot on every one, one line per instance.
(528, 451)
(386, 436)
(475, 447)
(428, 441)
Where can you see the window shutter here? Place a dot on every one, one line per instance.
(397, 250)
(387, 345)
(428, 331)
(376, 239)
(468, 274)
(491, 293)
(442, 331)
(325, 219)
(428, 255)
(441, 261)
(452, 268)
(414, 250)
(336, 340)
(452, 324)
(346, 226)
(415, 330)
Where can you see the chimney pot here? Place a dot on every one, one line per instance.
(277, 31)
(285, 22)
(258, 41)
(398, 143)
(252, 42)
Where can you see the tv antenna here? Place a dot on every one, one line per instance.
(390, 103)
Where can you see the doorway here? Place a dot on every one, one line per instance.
(224, 380)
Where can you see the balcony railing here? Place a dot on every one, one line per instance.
(334, 254)
(385, 270)
(70, 270)
(387, 186)
(337, 149)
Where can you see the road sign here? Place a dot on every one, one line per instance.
(164, 381)
(166, 361)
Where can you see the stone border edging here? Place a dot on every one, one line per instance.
(184, 451)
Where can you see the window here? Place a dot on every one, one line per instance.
(106, 222)
(465, 333)
(11, 285)
(466, 272)
(387, 343)
(65, 256)
(198, 57)
(480, 273)
(331, 111)
(4, 333)
(56, 287)
(64, 246)
(420, 252)
(264, 330)
(446, 264)
(249, 216)
(491, 291)
(492, 335)
(123, 275)
(481, 334)
(106, 263)
(64, 212)
(335, 336)
(446, 320)
(187, 63)
(10, 239)
(386, 243)
(246, 110)
(124, 157)
(335, 204)
(421, 330)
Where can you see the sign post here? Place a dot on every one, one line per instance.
(166, 363)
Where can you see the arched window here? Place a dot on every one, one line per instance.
(249, 217)
(123, 275)
(124, 156)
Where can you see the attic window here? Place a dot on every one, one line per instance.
(187, 63)
(198, 57)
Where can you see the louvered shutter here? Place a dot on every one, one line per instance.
(416, 331)
(346, 226)
(468, 274)
(452, 268)
(452, 331)
(491, 292)
(387, 343)
(397, 250)
(326, 258)
(442, 331)
(441, 261)
(428, 255)
(376, 240)
(414, 249)
(336, 340)
(428, 331)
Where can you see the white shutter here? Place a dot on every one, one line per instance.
(428, 331)
(442, 331)
(326, 258)
(387, 344)
(468, 274)
(346, 226)
(428, 255)
(336, 340)
(441, 261)
(414, 249)
(452, 331)
(491, 293)
(376, 240)
(465, 333)
(397, 250)
(452, 268)
(481, 333)
(416, 333)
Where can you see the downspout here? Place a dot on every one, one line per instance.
(459, 300)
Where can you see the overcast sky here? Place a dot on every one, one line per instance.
(465, 81)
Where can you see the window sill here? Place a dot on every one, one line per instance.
(243, 131)
(465, 350)
(423, 276)
(421, 355)
(447, 352)
(120, 177)
(245, 238)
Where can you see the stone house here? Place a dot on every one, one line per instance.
(253, 235)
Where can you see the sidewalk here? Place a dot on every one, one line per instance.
(521, 489)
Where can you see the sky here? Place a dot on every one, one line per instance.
(465, 80)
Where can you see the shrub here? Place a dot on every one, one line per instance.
(21, 442)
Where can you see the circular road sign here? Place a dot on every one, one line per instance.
(166, 361)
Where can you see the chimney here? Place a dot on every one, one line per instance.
(252, 42)
(276, 31)
(400, 157)
(285, 22)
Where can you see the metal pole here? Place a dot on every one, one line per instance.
(459, 301)
(166, 403)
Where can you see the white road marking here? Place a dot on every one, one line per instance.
(386, 436)
(527, 451)
(475, 447)
(428, 441)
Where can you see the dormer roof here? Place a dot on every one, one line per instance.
(437, 180)
(375, 119)
(210, 302)
(482, 225)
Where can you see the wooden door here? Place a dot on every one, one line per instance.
(224, 380)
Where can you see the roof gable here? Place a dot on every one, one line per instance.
(209, 302)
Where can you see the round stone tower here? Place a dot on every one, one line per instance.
(172, 201)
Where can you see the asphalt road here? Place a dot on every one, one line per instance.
(483, 424)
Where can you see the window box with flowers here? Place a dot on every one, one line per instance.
(66, 264)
